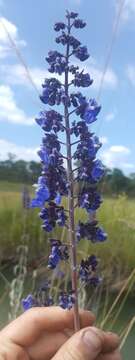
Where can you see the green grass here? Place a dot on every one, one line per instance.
(12, 187)
(117, 216)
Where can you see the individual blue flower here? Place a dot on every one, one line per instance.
(81, 53)
(58, 252)
(59, 26)
(100, 234)
(66, 300)
(29, 302)
(91, 231)
(50, 120)
(51, 89)
(43, 155)
(97, 170)
(82, 79)
(61, 217)
(54, 258)
(72, 15)
(78, 23)
(91, 111)
(89, 199)
(42, 195)
(47, 226)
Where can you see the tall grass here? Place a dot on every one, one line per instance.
(117, 256)
(117, 216)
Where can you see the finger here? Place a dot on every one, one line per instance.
(87, 344)
(26, 329)
(115, 355)
(111, 341)
(11, 351)
(48, 344)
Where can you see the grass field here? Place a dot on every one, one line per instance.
(117, 216)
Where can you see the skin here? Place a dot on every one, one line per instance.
(47, 333)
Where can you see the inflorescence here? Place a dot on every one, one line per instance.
(57, 180)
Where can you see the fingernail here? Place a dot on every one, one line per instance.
(91, 340)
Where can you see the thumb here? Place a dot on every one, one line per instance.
(84, 345)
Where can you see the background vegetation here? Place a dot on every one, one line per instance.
(20, 171)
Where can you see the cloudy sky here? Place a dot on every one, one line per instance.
(26, 32)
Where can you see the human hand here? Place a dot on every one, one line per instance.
(90, 344)
(39, 333)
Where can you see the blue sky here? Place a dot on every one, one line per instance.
(30, 24)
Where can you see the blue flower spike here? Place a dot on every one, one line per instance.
(59, 177)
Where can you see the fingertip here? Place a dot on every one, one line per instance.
(111, 342)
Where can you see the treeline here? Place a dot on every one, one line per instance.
(116, 182)
(20, 171)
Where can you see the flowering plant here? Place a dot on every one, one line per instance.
(56, 180)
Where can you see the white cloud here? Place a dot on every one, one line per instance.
(120, 149)
(21, 152)
(5, 46)
(16, 74)
(110, 116)
(130, 72)
(9, 110)
(110, 79)
(115, 156)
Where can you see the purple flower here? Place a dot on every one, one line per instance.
(91, 111)
(58, 252)
(42, 195)
(56, 180)
(100, 235)
(54, 258)
(78, 23)
(89, 199)
(51, 89)
(81, 79)
(66, 300)
(91, 231)
(97, 170)
(29, 302)
(52, 215)
(59, 26)
(72, 15)
(50, 120)
(81, 53)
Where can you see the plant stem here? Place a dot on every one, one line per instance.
(71, 199)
